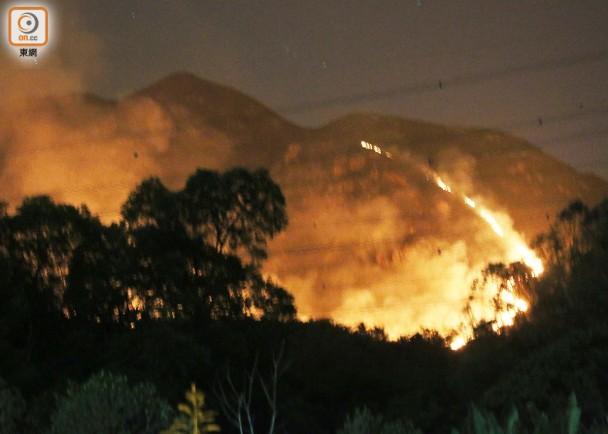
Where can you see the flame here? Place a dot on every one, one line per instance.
(515, 247)
(529, 258)
(457, 343)
(377, 149)
(491, 220)
(442, 185)
(517, 250)
(511, 305)
(510, 298)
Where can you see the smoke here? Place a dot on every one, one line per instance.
(80, 153)
(55, 139)
(25, 86)
(370, 239)
(376, 241)
(425, 289)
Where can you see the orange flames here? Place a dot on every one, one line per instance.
(514, 245)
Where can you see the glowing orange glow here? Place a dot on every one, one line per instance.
(529, 258)
(457, 343)
(377, 149)
(469, 202)
(515, 249)
(442, 185)
(491, 220)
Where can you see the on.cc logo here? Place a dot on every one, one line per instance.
(28, 26)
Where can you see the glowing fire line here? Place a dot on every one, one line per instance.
(517, 250)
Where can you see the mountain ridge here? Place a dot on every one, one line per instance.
(412, 249)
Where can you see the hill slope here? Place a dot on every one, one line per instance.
(370, 239)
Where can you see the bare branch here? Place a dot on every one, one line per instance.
(237, 403)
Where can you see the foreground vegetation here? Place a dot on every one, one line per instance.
(104, 327)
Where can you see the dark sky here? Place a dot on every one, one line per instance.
(501, 63)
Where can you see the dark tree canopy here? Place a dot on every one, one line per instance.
(198, 251)
(235, 212)
(194, 253)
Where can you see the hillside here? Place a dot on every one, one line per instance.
(361, 225)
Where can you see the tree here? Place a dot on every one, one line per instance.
(507, 288)
(235, 211)
(98, 281)
(193, 417)
(37, 245)
(107, 404)
(576, 250)
(272, 301)
(43, 238)
(190, 254)
(199, 250)
(563, 244)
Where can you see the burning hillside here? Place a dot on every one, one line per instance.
(388, 241)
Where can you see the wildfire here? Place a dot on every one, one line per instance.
(517, 250)
(515, 247)
(377, 149)
(457, 343)
(513, 305)
(491, 221)
(442, 185)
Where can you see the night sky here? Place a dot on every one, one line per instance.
(537, 69)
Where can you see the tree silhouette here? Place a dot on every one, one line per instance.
(199, 250)
(190, 254)
(98, 281)
(235, 211)
(37, 245)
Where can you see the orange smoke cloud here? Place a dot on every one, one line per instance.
(386, 246)
(370, 239)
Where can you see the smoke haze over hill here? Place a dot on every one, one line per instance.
(370, 238)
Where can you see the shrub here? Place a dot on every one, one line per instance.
(193, 417)
(107, 404)
(12, 408)
(566, 422)
(363, 421)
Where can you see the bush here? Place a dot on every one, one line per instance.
(564, 422)
(107, 404)
(12, 407)
(363, 421)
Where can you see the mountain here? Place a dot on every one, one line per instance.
(370, 238)
(247, 123)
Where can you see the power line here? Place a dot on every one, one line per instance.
(560, 117)
(439, 84)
